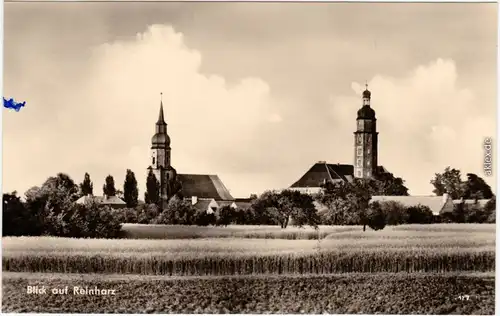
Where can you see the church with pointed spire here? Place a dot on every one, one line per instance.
(205, 191)
(365, 164)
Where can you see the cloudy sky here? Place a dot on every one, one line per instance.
(253, 92)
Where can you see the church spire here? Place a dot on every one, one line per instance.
(161, 119)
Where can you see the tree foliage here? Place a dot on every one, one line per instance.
(476, 188)
(346, 202)
(387, 184)
(375, 217)
(109, 188)
(51, 210)
(285, 206)
(147, 213)
(130, 191)
(152, 194)
(178, 212)
(226, 216)
(86, 187)
(419, 214)
(395, 212)
(450, 181)
(16, 218)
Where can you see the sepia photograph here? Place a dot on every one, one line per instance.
(249, 157)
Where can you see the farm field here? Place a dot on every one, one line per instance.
(142, 231)
(405, 249)
(417, 293)
(408, 269)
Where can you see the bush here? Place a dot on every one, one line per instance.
(147, 213)
(226, 216)
(17, 219)
(202, 218)
(419, 214)
(375, 216)
(129, 215)
(395, 212)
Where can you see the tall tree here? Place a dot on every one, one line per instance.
(476, 188)
(388, 184)
(109, 186)
(281, 207)
(347, 202)
(16, 219)
(130, 191)
(152, 194)
(448, 182)
(86, 187)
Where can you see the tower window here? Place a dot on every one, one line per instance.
(358, 162)
(359, 173)
(153, 160)
(359, 151)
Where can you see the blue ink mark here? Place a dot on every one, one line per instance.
(11, 104)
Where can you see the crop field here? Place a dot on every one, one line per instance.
(417, 293)
(401, 250)
(412, 269)
(141, 231)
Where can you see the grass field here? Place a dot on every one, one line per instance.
(418, 293)
(225, 270)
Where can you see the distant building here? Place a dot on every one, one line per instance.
(437, 204)
(243, 203)
(111, 201)
(201, 187)
(470, 202)
(209, 206)
(365, 156)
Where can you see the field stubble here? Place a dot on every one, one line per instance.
(349, 293)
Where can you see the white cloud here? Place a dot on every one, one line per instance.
(98, 116)
(426, 122)
(108, 125)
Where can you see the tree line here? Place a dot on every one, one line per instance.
(51, 209)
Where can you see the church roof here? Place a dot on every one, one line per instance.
(322, 171)
(161, 118)
(204, 186)
(366, 112)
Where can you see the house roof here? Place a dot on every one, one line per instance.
(109, 200)
(481, 202)
(204, 186)
(202, 204)
(321, 172)
(225, 203)
(243, 205)
(435, 203)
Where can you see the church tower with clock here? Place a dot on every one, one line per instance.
(365, 140)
